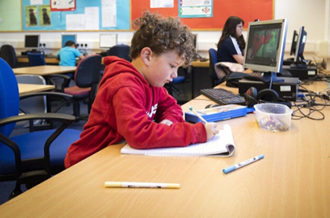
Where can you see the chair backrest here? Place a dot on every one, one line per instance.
(34, 104)
(9, 97)
(36, 59)
(7, 52)
(88, 71)
(213, 61)
(121, 51)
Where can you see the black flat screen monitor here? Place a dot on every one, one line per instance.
(196, 56)
(294, 43)
(68, 37)
(299, 55)
(31, 42)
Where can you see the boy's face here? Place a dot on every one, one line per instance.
(163, 68)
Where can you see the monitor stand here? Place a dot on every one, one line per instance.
(272, 76)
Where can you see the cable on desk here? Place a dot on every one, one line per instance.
(310, 102)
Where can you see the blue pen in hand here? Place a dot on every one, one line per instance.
(242, 164)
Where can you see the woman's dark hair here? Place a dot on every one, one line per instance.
(162, 35)
(230, 30)
(70, 43)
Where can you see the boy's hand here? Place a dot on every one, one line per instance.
(211, 130)
(167, 122)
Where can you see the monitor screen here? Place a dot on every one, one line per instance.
(107, 41)
(68, 37)
(31, 41)
(299, 56)
(265, 45)
(195, 41)
(294, 43)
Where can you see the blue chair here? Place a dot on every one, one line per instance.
(7, 52)
(32, 157)
(171, 86)
(36, 59)
(212, 73)
(86, 77)
(121, 51)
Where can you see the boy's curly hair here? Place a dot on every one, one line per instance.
(162, 35)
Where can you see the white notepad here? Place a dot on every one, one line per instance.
(220, 145)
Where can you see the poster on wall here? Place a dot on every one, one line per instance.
(62, 5)
(44, 15)
(195, 8)
(31, 16)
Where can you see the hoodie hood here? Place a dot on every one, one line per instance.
(115, 65)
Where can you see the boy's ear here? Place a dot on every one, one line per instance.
(146, 55)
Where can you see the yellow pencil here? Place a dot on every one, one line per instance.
(199, 116)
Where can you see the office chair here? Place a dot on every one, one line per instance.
(121, 51)
(32, 157)
(36, 104)
(7, 53)
(171, 87)
(60, 81)
(212, 72)
(36, 59)
(86, 77)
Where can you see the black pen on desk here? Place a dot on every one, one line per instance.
(199, 116)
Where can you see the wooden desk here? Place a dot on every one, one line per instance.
(44, 70)
(200, 63)
(291, 181)
(31, 88)
(54, 60)
(48, 60)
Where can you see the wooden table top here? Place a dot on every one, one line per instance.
(56, 61)
(44, 70)
(31, 88)
(291, 181)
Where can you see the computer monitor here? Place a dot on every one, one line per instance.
(68, 37)
(107, 41)
(294, 43)
(299, 59)
(265, 46)
(31, 42)
(196, 56)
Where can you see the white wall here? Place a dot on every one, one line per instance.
(311, 14)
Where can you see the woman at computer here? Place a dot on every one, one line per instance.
(231, 44)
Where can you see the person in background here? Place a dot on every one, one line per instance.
(68, 54)
(132, 104)
(232, 44)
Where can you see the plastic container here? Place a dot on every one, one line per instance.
(274, 117)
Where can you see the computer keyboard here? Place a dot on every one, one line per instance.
(223, 96)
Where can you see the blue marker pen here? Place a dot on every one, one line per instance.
(242, 164)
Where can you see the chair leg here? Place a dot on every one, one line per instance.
(76, 109)
(17, 191)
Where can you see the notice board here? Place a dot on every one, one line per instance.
(248, 10)
(88, 15)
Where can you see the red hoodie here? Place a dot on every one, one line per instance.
(127, 107)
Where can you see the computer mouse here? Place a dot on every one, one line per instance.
(203, 59)
(211, 105)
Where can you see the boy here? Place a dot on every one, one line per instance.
(68, 54)
(132, 103)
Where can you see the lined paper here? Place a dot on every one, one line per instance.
(220, 145)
